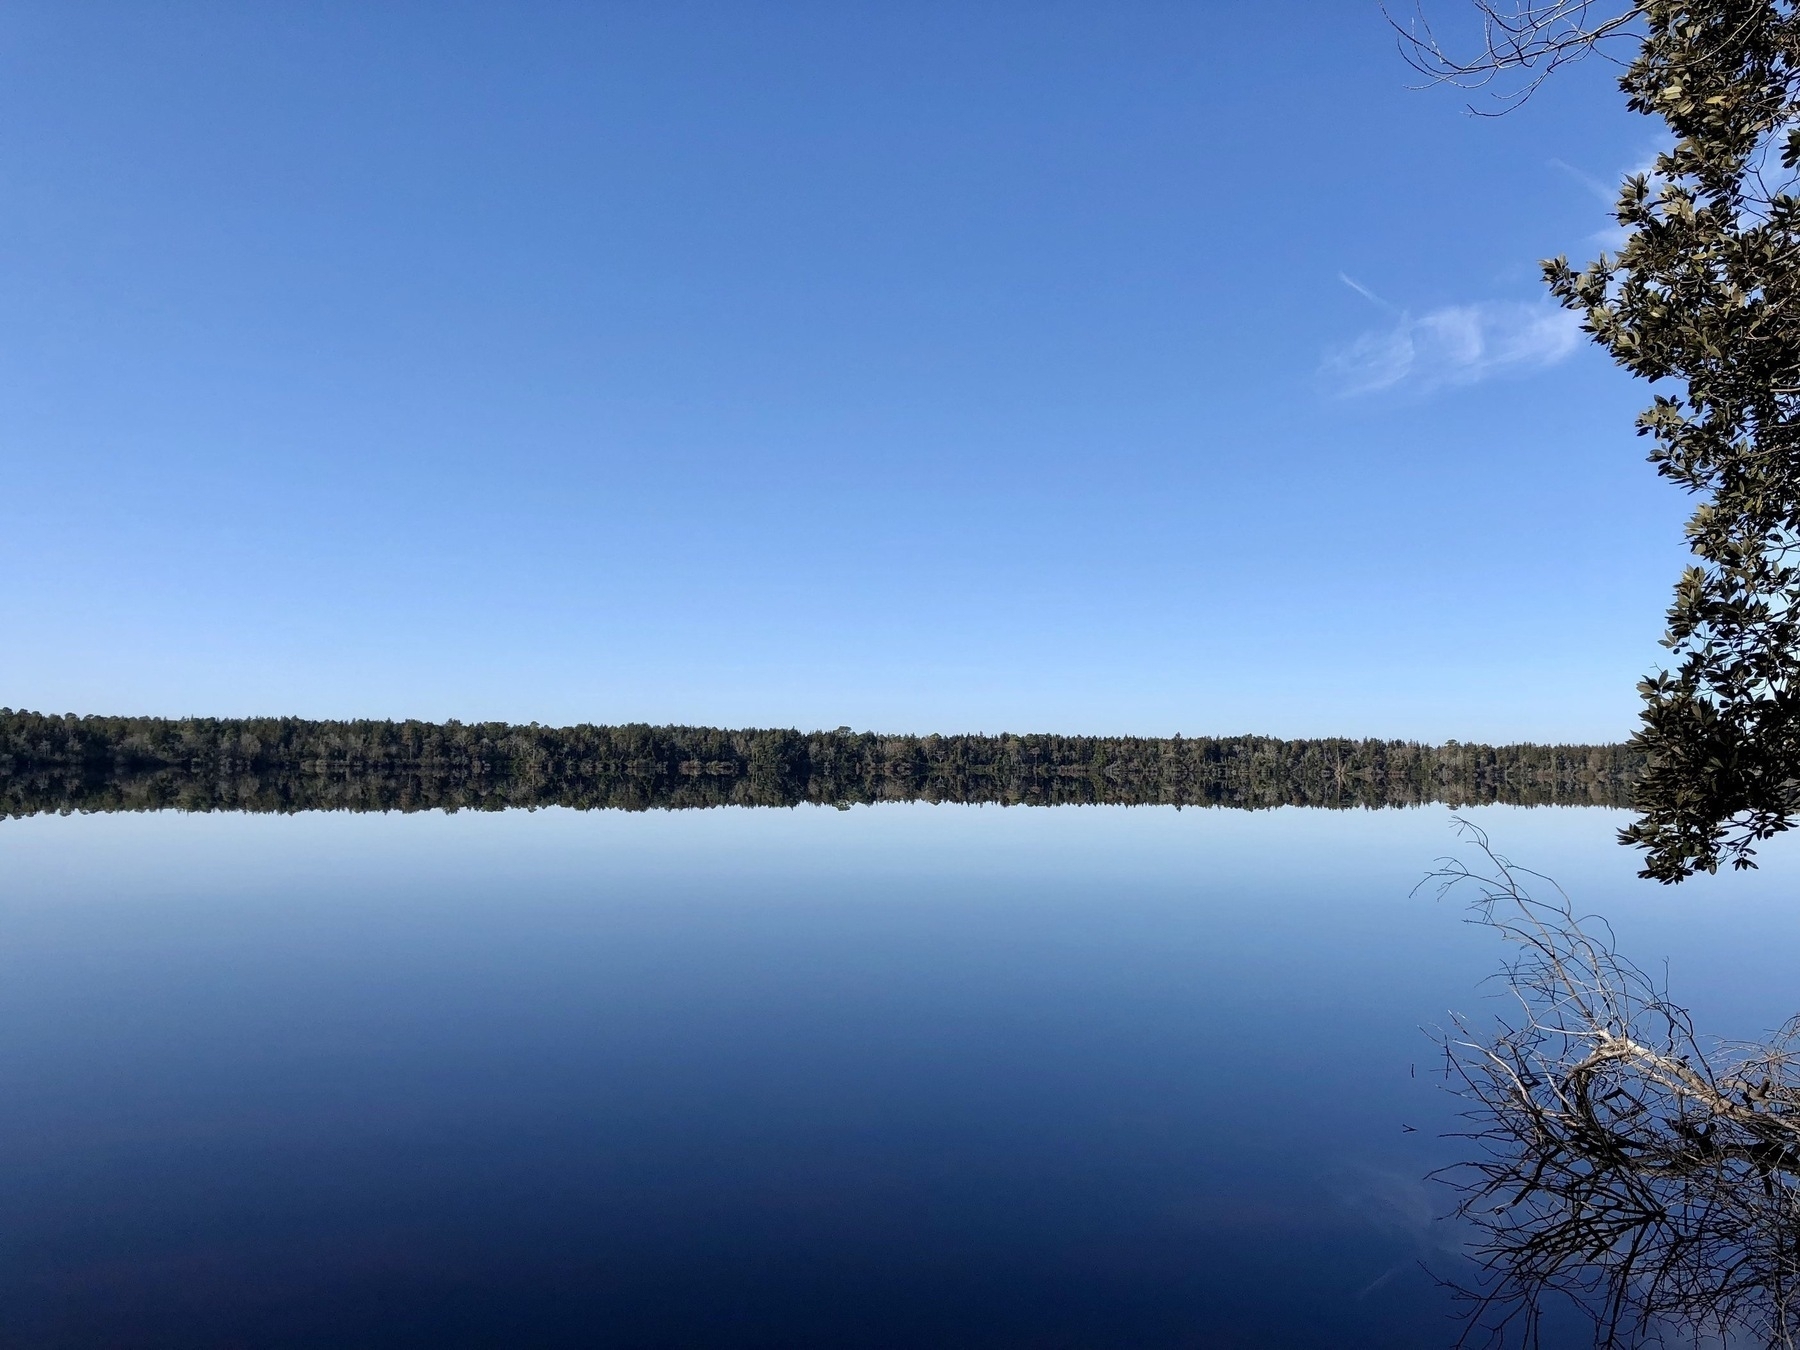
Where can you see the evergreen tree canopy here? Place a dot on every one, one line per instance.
(1703, 300)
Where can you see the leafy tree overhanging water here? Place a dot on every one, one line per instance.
(1702, 300)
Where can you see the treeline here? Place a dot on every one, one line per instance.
(69, 763)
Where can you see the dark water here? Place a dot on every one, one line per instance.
(898, 1076)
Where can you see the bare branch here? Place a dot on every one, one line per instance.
(1615, 1162)
(1523, 37)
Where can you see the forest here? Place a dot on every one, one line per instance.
(52, 763)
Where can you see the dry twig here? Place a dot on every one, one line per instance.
(1616, 1163)
(1527, 38)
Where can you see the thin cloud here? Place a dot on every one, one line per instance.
(1363, 290)
(1605, 194)
(1611, 238)
(1455, 345)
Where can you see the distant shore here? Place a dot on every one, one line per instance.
(70, 763)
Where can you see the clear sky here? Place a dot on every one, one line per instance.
(1102, 367)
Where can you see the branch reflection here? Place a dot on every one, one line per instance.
(1619, 1164)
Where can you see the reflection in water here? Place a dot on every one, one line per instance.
(1653, 1183)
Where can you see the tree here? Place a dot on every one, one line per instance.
(1703, 301)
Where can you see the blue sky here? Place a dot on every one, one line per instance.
(1095, 368)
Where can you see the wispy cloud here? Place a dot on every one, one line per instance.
(1612, 237)
(1455, 345)
(1362, 290)
(1604, 193)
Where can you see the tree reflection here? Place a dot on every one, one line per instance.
(1653, 1183)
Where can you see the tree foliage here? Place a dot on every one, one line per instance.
(1703, 300)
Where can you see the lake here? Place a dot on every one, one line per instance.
(893, 1076)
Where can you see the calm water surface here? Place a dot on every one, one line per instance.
(900, 1076)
